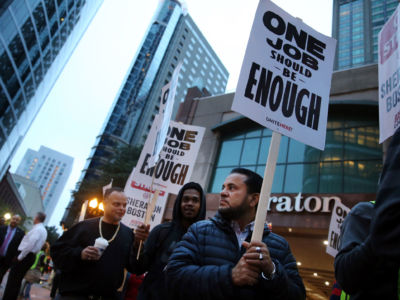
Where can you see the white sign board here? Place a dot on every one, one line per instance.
(166, 106)
(339, 212)
(389, 77)
(174, 169)
(286, 75)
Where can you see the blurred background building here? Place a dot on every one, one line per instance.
(50, 170)
(30, 195)
(355, 25)
(37, 38)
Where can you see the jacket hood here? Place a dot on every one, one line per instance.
(177, 214)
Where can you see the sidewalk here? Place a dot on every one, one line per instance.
(38, 292)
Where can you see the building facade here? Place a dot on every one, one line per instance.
(50, 170)
(172, 37)
(356, 24)
(30, 195)
(37, 38)
(10, 198)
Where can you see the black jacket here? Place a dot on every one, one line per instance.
(14, 243)
(83, 277)
(200, 267)
(385, 227)
(358, 270)
(159, 246)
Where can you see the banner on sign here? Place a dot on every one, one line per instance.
(286, 74)
(173, 170)
(389, 77)
(339, 212)
(139, 196)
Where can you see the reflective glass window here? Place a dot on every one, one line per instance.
(351, 161)
(250, 152)
(230, 153)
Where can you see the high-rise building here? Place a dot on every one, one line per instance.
(37, 38)
(50, 170)
(30, 194)
(356, 24)
(172, 37)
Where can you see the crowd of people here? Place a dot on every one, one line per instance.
(192, 257)
(24, 255)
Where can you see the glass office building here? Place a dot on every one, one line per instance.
(37, 38)
(350, 163)
(356, 24)
(172, 37)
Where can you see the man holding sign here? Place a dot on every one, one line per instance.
(189, 207)
(215, 259)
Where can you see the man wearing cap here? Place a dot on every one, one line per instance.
(216, 260)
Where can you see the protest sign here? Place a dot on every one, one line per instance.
(389, 77)
(173, 170)
(339, 212)
(285, 77)
(284, 85)
(166, 106)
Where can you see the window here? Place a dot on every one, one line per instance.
(351, 162)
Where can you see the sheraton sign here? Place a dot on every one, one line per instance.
(299, 203)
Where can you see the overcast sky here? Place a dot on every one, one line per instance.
(74, 112)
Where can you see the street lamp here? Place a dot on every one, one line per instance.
(95, 208)
(93, 203)
(7, 216)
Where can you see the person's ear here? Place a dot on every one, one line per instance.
(254, 198)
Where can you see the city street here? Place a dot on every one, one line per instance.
(38, 291)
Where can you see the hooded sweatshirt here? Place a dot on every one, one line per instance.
(159, 245)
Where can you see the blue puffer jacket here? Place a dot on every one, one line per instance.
(201, 266)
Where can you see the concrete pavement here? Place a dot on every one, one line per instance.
(38, 291)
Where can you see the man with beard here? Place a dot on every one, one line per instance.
(189, 207)
(215, 259)
(89, 272)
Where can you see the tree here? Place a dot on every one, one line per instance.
(52, 234)
(118, 168)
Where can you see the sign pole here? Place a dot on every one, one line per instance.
(83, 210)
(150, 206)
(266, 187)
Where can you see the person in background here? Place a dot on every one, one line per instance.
(27, 249)
(189, 207)
(34, 273)
(10, 238)
(368, 261)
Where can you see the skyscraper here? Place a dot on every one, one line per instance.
(50, 169)
(356, 24)
(37, 38)
(171, 37)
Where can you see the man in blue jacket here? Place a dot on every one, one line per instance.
(215, 259)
